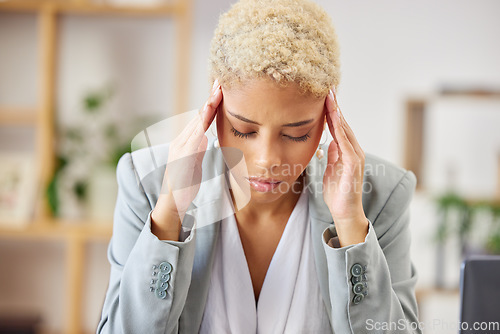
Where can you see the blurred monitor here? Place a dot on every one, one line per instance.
(480, 295)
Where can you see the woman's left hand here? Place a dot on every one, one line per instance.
(343, 178)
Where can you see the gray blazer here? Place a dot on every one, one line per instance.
(158, 286)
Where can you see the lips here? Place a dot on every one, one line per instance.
(259, 179)
(263, 184)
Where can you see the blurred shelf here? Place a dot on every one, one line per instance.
(480, 92)
(422, 293)
(417, 106)
(77, 234)
(17, 116)
(84, 7)
(58, 229)
(471, 201)
(483, 201)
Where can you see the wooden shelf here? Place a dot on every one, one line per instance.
(17, 116)
(82, 7)
(58, 229)
(479, 201)
(76, 234)
(423, 293)
(416, 109)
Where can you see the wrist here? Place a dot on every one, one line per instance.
(165, 221)
(349, 223)
(353, 231)
(166, 207)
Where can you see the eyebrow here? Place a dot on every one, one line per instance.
(295, 124)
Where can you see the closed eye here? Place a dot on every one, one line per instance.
(241, 135)
(247, 135)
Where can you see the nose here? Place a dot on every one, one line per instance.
(268, 158)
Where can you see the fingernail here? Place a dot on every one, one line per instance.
(216, 83)
(331, 94)
(216, 91)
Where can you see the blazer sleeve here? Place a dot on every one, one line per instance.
(149, 278)
(372, 284)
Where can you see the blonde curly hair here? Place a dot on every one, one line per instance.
(288, 41)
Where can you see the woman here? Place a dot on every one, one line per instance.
(264, 229)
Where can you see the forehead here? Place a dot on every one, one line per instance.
(264, 98)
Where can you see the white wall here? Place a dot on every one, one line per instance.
(394, 48)
(389, 49)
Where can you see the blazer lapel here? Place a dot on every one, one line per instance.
(212, 204)
(321, 219)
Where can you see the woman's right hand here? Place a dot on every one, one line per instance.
(182, 177)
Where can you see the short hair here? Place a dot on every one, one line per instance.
(288, 41)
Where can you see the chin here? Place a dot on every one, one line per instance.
(264, 197)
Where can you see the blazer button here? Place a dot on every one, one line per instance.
(161, 294)
(164, 277)
(358, 288)
(165, 267)
(162, 286)
(357, 299)
(356, 270)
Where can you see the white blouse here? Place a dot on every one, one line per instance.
(290, 300)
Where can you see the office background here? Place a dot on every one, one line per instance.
(443, 56)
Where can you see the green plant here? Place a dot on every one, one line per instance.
(445, 204)
(464, 222)
(96, 140)
(493, 242)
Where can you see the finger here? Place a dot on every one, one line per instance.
(207, 116)
(348, 131)
(348, 156)
(334, 153)
(329, 110)
(211, 108)
(192, 134)
(215, 85)
(351, 137)
(187, 133)
(212, 90)
(345, 145)
(199, 119)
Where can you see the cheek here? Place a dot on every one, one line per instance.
(320, 132)
(315, 139)
(307, 151)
